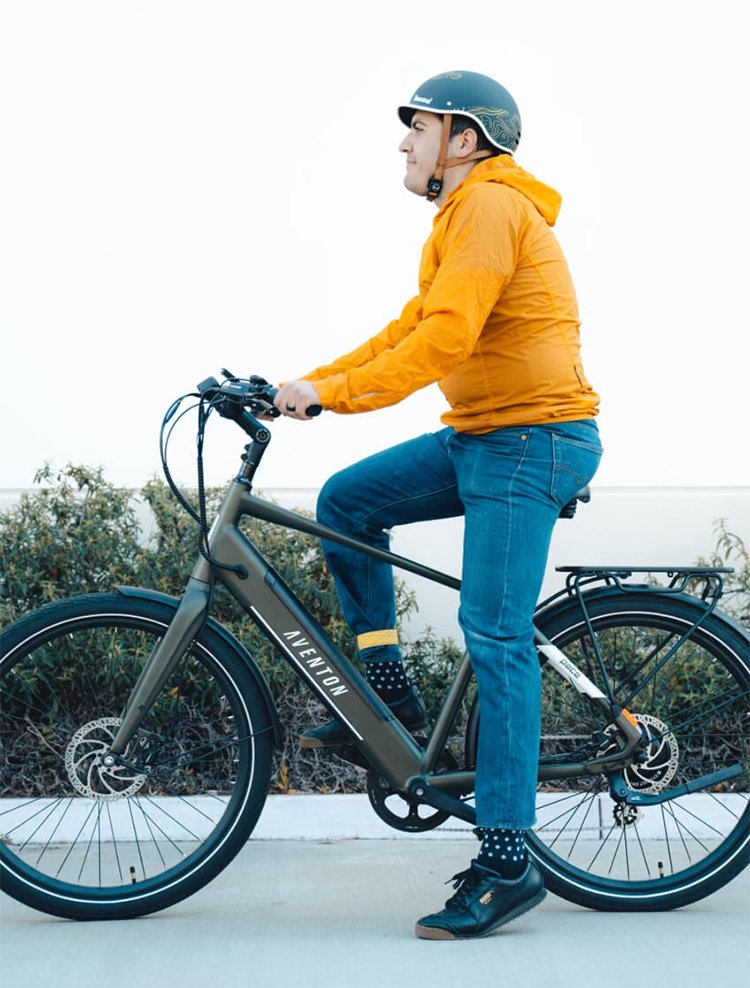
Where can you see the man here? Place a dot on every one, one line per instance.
(496, 324)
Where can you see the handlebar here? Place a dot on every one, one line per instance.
(236, 398)
(235, 394)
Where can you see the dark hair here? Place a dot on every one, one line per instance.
(460, 123)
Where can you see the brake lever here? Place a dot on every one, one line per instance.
(263, 406)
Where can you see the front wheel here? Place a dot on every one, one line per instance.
(86, 840)
(689, 695)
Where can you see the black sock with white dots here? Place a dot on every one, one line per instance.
(503, 851)
(384, 671)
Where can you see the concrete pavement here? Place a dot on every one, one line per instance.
(341, 912)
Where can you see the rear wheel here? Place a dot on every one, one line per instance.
(86, 840)
(690, 698)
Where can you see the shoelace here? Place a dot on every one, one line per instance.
(465, 881)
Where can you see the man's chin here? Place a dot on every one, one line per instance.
(418, 189)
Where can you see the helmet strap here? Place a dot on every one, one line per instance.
(435, 184)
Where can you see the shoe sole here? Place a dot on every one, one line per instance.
(315, 743)
(435, 933)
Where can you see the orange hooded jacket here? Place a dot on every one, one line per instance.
(495, 322)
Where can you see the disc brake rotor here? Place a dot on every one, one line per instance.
(84, 763)
(661, 755)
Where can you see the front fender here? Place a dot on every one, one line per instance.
(145, 593)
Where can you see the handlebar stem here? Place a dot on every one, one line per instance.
(251, 459)
(247, 422)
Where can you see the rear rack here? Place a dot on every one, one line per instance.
(680, 577)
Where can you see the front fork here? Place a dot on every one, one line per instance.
(186, 624)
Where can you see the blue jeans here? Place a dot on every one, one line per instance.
(509, 485)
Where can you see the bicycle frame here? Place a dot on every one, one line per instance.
(386, 744)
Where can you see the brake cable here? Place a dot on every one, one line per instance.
(198, 516)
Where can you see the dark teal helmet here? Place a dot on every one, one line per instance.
(472, 95)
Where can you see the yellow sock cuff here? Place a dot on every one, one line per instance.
(370, 639)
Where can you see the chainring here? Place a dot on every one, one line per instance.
(403, 813)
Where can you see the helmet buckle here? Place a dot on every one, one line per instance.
(434, 186)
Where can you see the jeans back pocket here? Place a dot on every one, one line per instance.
(574, 464)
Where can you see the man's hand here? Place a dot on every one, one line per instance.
(295, 397)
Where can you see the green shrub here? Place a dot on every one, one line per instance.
(78, 534)
(730, 551)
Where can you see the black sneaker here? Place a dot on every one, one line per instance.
(410, 710)
(483, 902)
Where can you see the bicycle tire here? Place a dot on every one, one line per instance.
(83, 841)
(686, 848)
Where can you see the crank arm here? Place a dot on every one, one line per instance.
(621, 791)
(421, 791)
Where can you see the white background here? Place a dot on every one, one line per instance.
(191, 185)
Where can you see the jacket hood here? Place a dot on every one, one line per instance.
(503, 169)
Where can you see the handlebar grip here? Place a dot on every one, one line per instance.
(312, 411)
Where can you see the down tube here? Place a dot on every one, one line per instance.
(329, 674)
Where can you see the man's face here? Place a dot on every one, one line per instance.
(421, 147)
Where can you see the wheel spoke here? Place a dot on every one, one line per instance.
(74, 842)
(643, 851)
(722, 804)
(676, 805)
(148, 822)
(39, 826)
(666, 837)
(592, 801)
(114, 843)
(171, 817)
(135, 838)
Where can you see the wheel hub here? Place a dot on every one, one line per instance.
(660, 756)
(92, 771)
(626, 816)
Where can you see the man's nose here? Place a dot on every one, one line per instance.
(405, 145)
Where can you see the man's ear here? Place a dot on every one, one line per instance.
(464, 143)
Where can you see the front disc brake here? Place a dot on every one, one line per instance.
(87, 769)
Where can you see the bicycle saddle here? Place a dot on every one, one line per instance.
(583, 495)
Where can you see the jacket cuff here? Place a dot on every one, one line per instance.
(330, 389)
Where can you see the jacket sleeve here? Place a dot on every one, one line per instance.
(477, 257)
